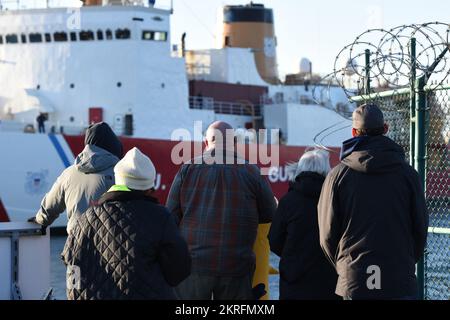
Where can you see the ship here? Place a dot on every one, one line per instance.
(116, 61)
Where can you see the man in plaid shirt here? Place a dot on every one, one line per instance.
(219, 200)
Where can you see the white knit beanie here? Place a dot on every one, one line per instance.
(135, 170)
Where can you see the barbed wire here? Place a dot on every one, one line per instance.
(390, 63)
(381, 59)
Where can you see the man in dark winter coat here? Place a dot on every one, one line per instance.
(372, 215)
(305, 272)
(82, 184)
(128, 246)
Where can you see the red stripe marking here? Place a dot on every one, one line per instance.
(3, 215)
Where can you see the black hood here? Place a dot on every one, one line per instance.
(372, 154)
(101, 135)
(308, 183)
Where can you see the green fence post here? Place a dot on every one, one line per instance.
(420, 157)
(412, 102)
(367, 70)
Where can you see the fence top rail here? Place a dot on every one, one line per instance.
(395, 92)
(382, 94)
(439, 230)
(437, 87)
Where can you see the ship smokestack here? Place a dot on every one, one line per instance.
(92, 2)
(251, 26)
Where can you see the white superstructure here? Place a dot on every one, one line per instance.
(70, 62)
(118, 60)
(115, 63)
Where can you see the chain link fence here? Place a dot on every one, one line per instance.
(437, 254)
(396, 106)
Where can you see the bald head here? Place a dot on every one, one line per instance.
(218, 133)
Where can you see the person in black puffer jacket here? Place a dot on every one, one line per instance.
(305, 272)
(128, 246)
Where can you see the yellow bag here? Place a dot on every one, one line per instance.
(261, 249)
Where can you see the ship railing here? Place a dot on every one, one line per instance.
(280, 99)
(30, 4)
(8, 125)
(339, 107)
(198, 71)
(45, 4)
(67, 128)
(224, 107)
(203, 103)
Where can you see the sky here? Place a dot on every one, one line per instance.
(315, 29)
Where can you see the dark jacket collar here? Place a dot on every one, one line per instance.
(124, 196)
(308, 183)
(372, 154)
(352, 144)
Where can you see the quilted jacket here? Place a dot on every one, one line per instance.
(126, 247)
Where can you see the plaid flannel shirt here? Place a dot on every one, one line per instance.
(219, 207)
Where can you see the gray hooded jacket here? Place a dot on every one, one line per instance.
(79, 186)
(82, 184)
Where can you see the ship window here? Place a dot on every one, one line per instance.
(123, 34)
(154, 35)
(23, 38)
(160, 36)
(1, 39)
(109, 35)
(73, 36)
(227, 41)
(86, 35)
(60, 36)
(99, 35)
(11, 38)
(147, 35)
(48, 37)
(35, 37)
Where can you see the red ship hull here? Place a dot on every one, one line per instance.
(160, 152)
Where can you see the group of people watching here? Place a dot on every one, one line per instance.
(353, 232)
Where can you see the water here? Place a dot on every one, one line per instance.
(438, 266)
(57, 268)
